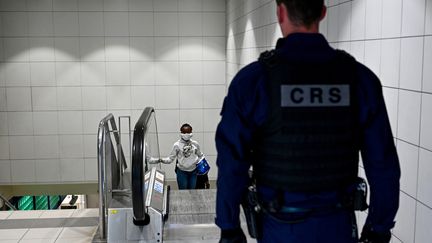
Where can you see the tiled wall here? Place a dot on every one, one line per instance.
(394, 39)
(65, 64)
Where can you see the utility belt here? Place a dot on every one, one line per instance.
(355, 199)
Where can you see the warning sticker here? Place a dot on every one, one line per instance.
(159, 176)
(158, 187)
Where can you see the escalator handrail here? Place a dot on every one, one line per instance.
(138, 170)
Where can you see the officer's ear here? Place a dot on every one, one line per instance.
(281, 13)
(323, 12)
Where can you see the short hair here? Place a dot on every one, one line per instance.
(185, 125)
(303, 12)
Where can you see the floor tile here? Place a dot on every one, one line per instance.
(12, 234)
(38, 241)
(42, 233)
(75, 240)
(77, 232)
(88, 212)
(57, 213)
(25, 214)
(5, 214)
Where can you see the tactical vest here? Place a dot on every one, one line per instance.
(310, 140)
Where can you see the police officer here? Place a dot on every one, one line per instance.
(300, 115)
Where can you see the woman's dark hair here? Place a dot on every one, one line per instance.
(185, 125)
(303, 12)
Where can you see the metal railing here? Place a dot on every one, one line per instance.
(110, 167)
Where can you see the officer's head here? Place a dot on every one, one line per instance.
(186, 128)
(300, 15)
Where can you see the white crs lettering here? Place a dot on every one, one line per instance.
(315, 95)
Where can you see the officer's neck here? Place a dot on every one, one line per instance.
(290, 28)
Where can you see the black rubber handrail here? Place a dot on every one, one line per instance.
(139, 167)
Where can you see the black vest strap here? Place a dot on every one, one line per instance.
(310, 140)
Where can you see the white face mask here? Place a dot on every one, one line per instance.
(186, 136)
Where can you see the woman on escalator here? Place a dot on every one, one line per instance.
(187, 153)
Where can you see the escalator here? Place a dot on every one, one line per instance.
(136, 205)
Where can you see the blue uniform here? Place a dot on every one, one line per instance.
(245, 110)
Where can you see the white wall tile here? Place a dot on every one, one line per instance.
(211, 119)
(90, 146)
(42, 49)
(45, 123)
(168, 121)
(358, 19)
(426, 120)
(92, 49)
(67, 48)
(333, 22)
(65, 5)
(93, 73)
(390, 60)
(40, 23)
(142, 73)
(14, 49)
(191, 73)
(409, 116)
(47, 170)
(18, 99)
(72, 170)
(69, 98)
(140, 5)
(344, 21)
(114, 5)
(413, 17)
(213, 96)
(4, 147)
(165, 5)
(191, 24)
(141, 49)
(94, 98)
(94, 5)
(20, 123)
(142, 96)
(373, 19)
(71, 146)
(66, 24)
(91, 121)
(191, 5)
(167, 73)
(167, 97)
(68, 73)
(411, 63)
(17, 74)
(39, 5)
(214, 48)
(392, 18)
(209, 146)
(214, 5)
(166, 24)
(116, 23)
(44, 98)
(118, 73)
(93, 24)
(372, 55)
(15, 24)
(214, 24)
(3, 123)
(423, 221)
(190, 49)
(42, 73)
(23, 171)
(90, 169)
(425, 173)
(141, 24)
(13, 5)
(166, 48)
(70, 122)
(5, 171)
(428, 27)
(46, 147)
(214, 72)
(194, 117)
(391, 100)
(117, 48)
(191, 97)
(427, 62)
(119, 97)
(408, 158)
(405, 219)
(21, 147)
